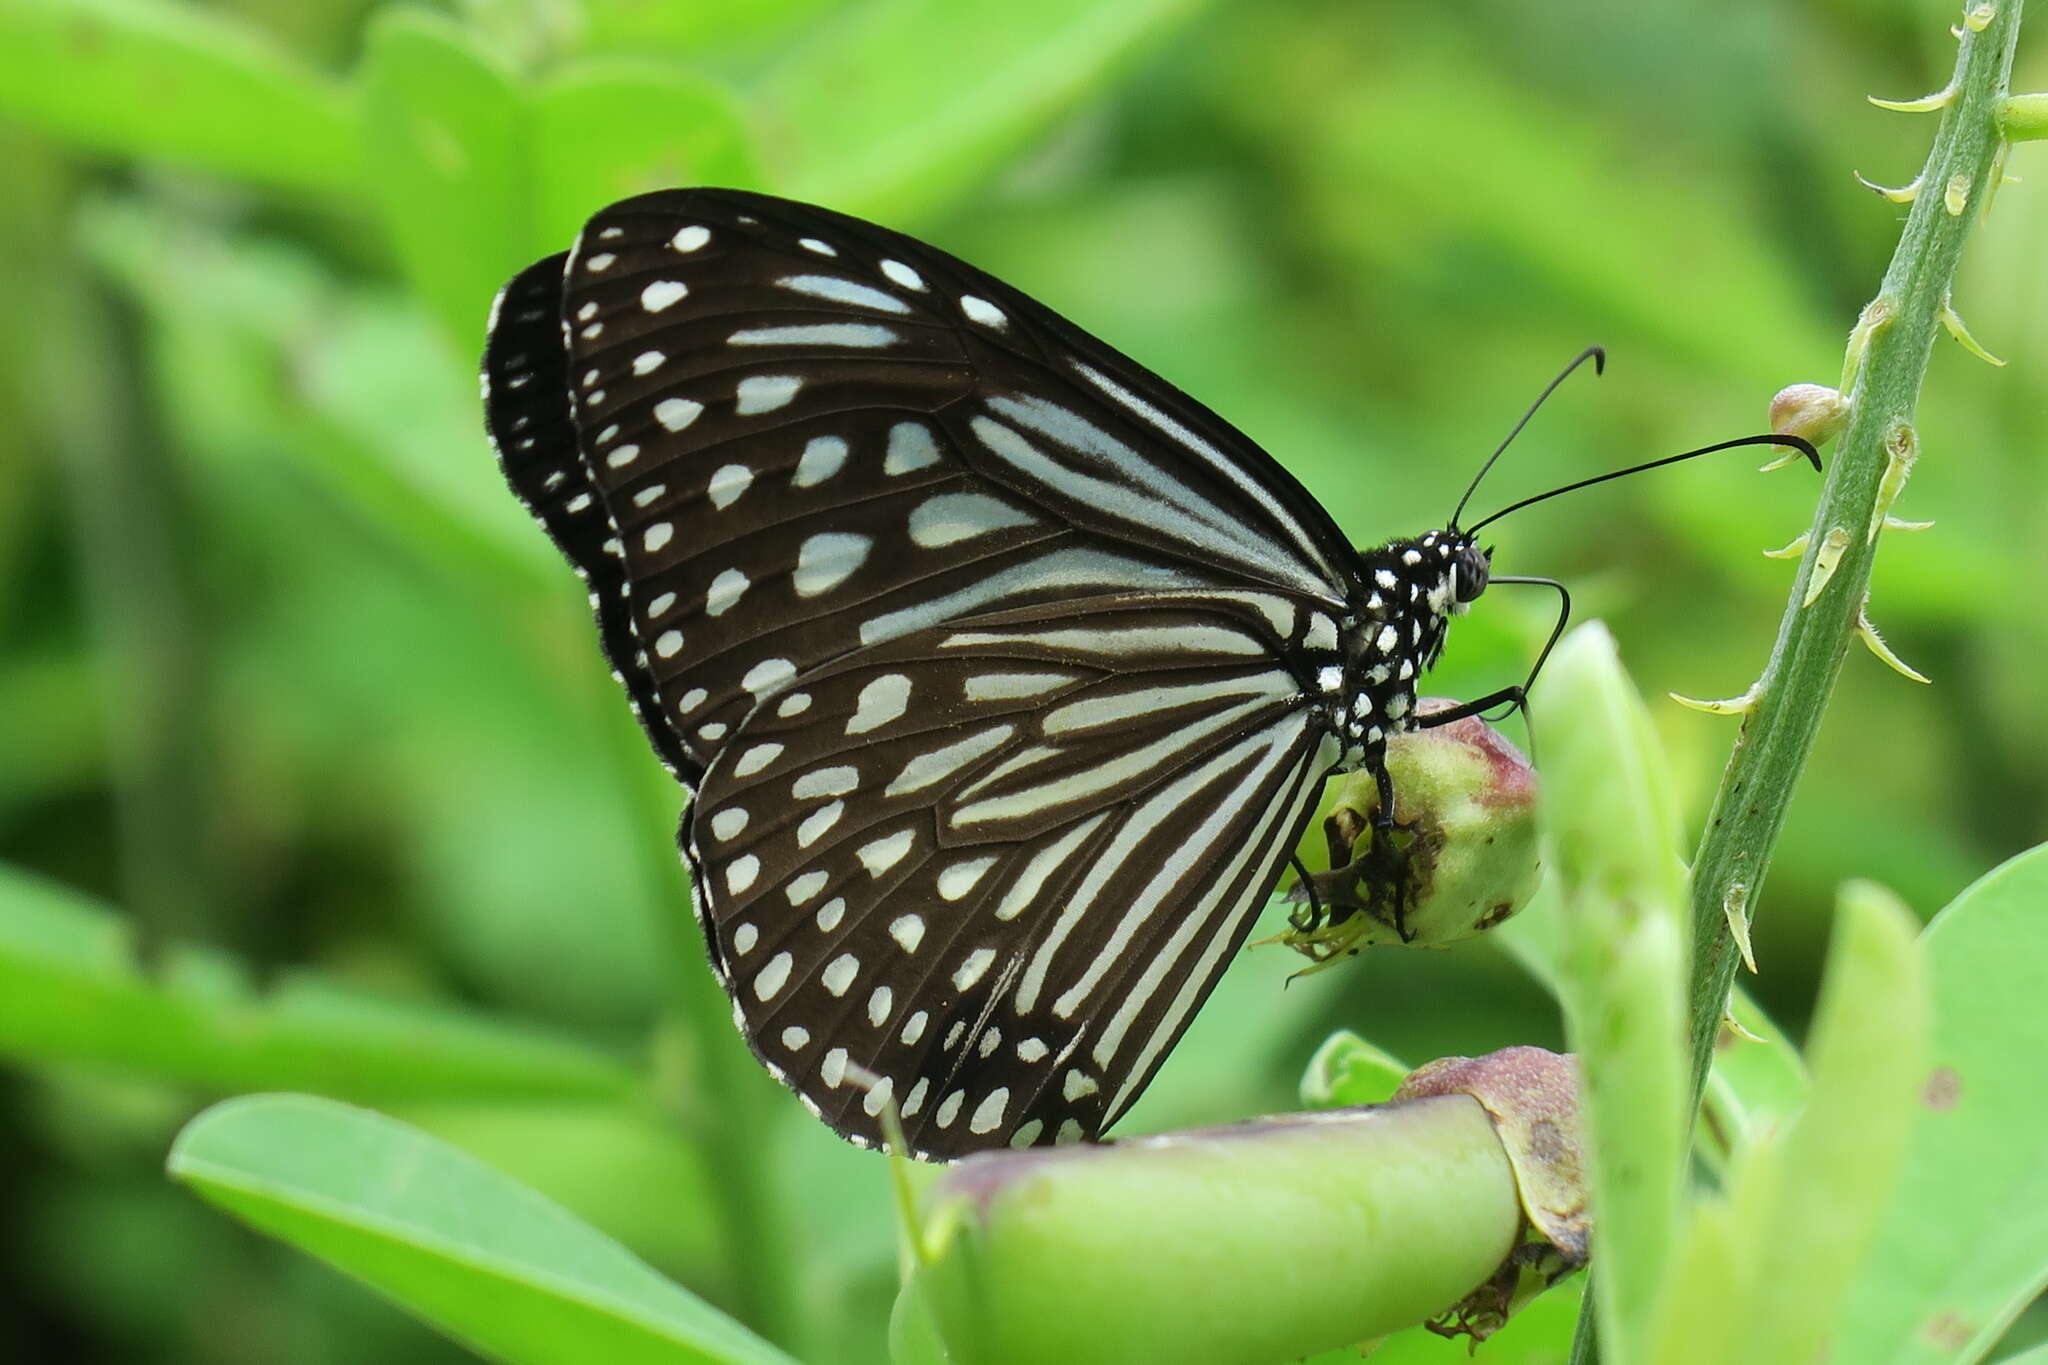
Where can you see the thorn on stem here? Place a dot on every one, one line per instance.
(1735, 909)
(1825, 563)
(1901, 449)
(1926, 104)
(1875, 641)
(1952, 320)
(1904, 194)
(1726, 706)
(1794, 549)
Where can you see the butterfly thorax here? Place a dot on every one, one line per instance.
(1405, 595)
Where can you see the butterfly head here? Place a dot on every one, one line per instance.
(1460, 568)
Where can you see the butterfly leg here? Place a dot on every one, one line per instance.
(1310, 919)
(1386, 864)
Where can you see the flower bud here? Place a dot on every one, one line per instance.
(1813, 411)
(1460, 859)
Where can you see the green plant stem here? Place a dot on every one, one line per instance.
(1778, 732)
(1887, 362)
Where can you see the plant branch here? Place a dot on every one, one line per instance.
(1886, 363)
(1888, 354)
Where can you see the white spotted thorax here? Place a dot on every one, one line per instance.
(1003, 676)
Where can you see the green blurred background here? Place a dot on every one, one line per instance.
(288, 680)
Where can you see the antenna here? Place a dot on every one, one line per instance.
(1772, 439)
(1596, 354)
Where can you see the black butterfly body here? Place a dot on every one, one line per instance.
(1004, 676)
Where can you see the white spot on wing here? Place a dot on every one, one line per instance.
(768, 675)
(818, 823)
(902, 274)
(864, 335)
(690, 238)
(725, 590)
(844, 291)
(677, 413)
(765, 393)
(881, 701)
(839, 973)
(908, 931)
(988, 1115)
(822, 458)
(757, 758)
(773, 977)
(727, 483)
(949, 518)
(973, 968)
(1014, 686)
(936, 765)
(911, 448)
(728, 823)
(959, 879)
(802, 888)
(982, 311)
(741, 872)
(662, 293)
(884, 853)
(825, 560)
(825, 782)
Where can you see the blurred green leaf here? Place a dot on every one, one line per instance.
(152, 79)
(70, 992)
(266, 359)
(899, 105)
(704, 30)
(1809, 1233)
(444, 134)
(1608, 836)
(1347, 1070)
(605, 131)
(485, 1259)
(1757, 1081)
(1964, 1245)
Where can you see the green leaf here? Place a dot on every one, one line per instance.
(485, 1259)
(148, 79)
(902, 104)
(1348, 1070)
(1841, 1155)
(606, 131)
(444, 132)
(70, 992)
(1964, 1245)
(1608, 828)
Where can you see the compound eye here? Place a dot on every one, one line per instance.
(1471, 573)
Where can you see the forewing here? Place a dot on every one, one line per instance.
(801, 436)
(987, 871)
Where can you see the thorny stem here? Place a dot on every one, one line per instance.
(1888, 359)
(1897, 335)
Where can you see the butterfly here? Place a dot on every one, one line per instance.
(1003, 676)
